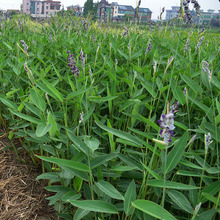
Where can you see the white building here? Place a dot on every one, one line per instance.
(170, 14)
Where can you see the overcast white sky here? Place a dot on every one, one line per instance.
(154, 5)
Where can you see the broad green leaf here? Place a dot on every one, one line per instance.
(46, 89)
(120, 134)
(123, 54)
(111, 138)
(8, 103)
(192, 84)
(81, 174)
(37, 100)
(180, 125)
(67, 163)
(51, 121)
(92, 143)
(26, 117)
(193, 194)
(95, 206)
(190, 164)
(100, 160)
(149, 122)
(8, 94)
(32, 108)
(7, 45)
(109, 189)
(53, 90)
(57, 188)
(80, 144)
(122, 168)
(212, 189)
(180, 200)
(147, 85)
(218, 105)
(42, 129)
(177, 92)
(78, 92)
(47, 176)
(127, 160)
(170, 185)
(201, 106)
(212, 198)
(71, 195)
(152, 209)
(154, 174)
(207, 215)
(80, 213)
(130, 197)
(175, 154)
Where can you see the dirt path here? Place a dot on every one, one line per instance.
(21, 197)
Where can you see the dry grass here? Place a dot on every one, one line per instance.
(21, 197)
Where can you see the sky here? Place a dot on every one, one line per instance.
(154, 5)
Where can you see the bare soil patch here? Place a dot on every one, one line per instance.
(21, 196)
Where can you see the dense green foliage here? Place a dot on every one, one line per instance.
(97, 134)
(90, 8)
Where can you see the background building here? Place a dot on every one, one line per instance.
(209, 17)
(114, 11)
(172, 13)
(41, 8)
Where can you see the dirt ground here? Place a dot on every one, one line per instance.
(21, 196)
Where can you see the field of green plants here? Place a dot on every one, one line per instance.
(123, 121)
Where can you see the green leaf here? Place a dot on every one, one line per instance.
(26, 117)
(53, 90)
(153, 209)
(122, 168)
(47, 176)
(92, 143)
(170, 185)
(80, 144)
(192, 84)
(57, 188)
(80, 213)
(207, 215)
(123, 54)
(37, 100)
(109, 189)
(79, 92)
(177, 92)
(130, 197)
(211, 198)
(175, 154)
(154, 174)
(8, 94)
(51, 121)
(67, 163)
(200, 105)
(180, 200)
(32, 108)
(212, 189)
(95, 206)
(120, 134)
(42, 129)
(147, 85)
(100, 160)
(7, 45)
(7, 102)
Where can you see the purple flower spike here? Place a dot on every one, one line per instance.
(72, 64)
(167, 124)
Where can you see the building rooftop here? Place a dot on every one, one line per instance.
(125, 7)
(147, 10)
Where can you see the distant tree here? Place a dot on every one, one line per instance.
(88, 8)
(13, 13)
